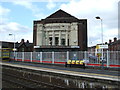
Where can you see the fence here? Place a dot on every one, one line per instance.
(110, 58)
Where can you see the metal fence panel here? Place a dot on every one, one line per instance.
(27, 56)
(114, 57)
(76, 55)
(110, 57)
(36, 56)
(60, 56)
(47, 56)
(19, 55)
(91, 56)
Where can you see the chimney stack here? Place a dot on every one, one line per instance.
(106, 43)
(22, 40)
(27, 41)
(115, 39)
(110, 41)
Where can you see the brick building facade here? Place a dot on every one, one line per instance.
(115, 45)
(112, 45)
(21, 47)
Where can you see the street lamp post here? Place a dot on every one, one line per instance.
(101, 32)
(14, 44)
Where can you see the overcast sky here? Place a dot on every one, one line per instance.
(17, 16)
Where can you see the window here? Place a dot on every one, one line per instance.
(50, 40)
(22, 49)
(63, 41)
(56, 40)
(68, 42)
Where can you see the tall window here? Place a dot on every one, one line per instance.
(63, 41)
(50, 40)
(56, 40)
(68, 42)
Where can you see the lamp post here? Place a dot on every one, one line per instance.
(101, 32)
(14, 44)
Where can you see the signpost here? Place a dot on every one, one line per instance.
(101, 48)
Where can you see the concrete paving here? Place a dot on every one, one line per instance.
(88, 73)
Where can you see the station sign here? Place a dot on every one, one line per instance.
(102, 46)
(36, 46)
(14, 49)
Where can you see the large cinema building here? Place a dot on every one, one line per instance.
(60, 32)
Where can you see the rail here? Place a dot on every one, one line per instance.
(26, 81)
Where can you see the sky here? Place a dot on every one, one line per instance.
(17, 16)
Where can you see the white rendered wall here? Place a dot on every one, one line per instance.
(61, 30)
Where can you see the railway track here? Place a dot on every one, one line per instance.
(27, 82)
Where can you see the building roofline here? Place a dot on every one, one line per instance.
(6, 42)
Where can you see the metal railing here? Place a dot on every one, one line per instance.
(109, 57)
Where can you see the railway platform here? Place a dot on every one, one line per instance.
(103, 75)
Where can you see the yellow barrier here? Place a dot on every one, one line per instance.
(81, 62)
(75, 62)
(69, 62)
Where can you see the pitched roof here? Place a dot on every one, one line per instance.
(60, 14)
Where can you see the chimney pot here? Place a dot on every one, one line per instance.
(105, 42)
(110, 41)
(115, 39)
(22, 40)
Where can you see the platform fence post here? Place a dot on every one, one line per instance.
(85, 55)
(107, 58)
(31, 56)
(16, 55)
(23, 56)
(67, 56)
(53, 58)
(41, 57)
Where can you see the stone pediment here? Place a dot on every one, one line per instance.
(60, 14)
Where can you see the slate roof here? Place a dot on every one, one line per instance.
(117, 42)
(59, 16)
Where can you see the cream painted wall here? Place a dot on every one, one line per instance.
(74, 34)
(39, 34)
(57, 27)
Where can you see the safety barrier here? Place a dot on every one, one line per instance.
(110, 58)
